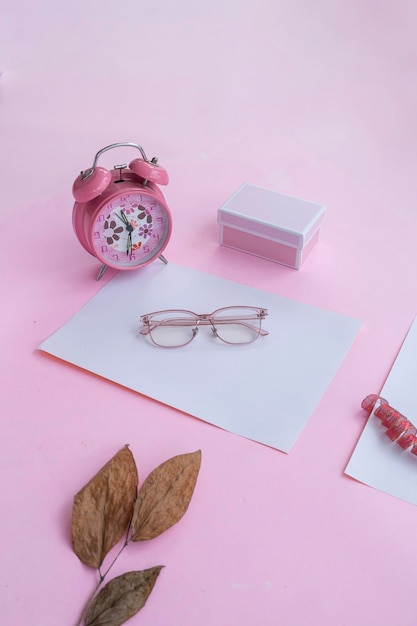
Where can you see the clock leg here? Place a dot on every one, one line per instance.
(161, 256)
(101, 272)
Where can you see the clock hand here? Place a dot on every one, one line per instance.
(126, 222)
(122, 217)
(129, 242)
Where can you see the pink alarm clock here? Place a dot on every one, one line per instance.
(120, 216)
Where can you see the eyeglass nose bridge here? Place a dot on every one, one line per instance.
(204, 319)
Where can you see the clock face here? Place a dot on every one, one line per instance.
(130, 230)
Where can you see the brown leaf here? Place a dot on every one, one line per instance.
(122, 598)
(103, 508)
(164, 496)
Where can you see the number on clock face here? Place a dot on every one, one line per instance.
(130, 229)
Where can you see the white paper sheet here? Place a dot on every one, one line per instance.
(265, 391)
(377, 461)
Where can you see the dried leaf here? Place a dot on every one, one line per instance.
(103, 508)
(122, 598)
(164, 496)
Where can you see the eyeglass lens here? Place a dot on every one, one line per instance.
(237, 325)
(172, 328)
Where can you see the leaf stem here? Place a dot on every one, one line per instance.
(103, 576)
(127, 539)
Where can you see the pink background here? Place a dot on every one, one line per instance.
(315, 99)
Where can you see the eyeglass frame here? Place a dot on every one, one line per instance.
(206, 319)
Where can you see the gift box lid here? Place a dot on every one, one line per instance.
(272, 215)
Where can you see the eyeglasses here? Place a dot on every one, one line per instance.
(232, 324)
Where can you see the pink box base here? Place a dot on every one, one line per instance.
(270, 225)
(267, 249)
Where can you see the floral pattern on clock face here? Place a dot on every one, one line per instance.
(130, 230)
